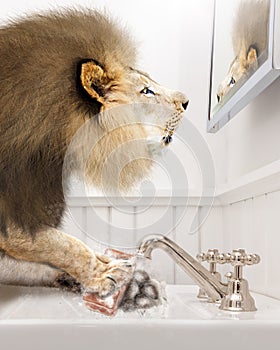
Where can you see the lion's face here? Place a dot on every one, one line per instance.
(240, 68)
(137, 118)
(131, 86)
(164, 120)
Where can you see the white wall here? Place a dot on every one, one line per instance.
(123, 227)
(252, 224)
(253, 135)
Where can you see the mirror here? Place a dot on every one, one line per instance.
(242, 56)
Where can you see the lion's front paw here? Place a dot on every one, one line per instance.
(110, 275)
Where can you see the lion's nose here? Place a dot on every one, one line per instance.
(185, 104)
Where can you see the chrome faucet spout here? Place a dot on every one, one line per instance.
(200, 275)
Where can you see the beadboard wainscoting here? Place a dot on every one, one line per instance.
(246, 216)
(252, 223)
(102, 222)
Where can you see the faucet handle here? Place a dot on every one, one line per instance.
(210, 256)
(238, 297)
(238, 257)
(223, 258)
(201, 257)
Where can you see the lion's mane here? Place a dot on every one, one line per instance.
(250, 26)
(42, 108)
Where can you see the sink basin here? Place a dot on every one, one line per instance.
(40, 318)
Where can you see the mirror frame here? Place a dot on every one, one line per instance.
(257, 82)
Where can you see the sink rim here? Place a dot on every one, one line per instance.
(198, 313)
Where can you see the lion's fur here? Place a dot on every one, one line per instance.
(71, 101)
(250, 26)
(41, 109)
(249, 42)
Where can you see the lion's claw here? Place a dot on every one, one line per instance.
(108, 287)
(110, 275)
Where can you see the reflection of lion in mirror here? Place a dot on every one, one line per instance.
(60, 73)
(249, 41)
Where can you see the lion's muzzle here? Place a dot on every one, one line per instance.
(185, 104)
(173, 122)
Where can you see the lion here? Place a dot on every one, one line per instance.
(72, 100)
(249, 41)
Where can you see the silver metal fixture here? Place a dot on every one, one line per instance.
(200, 275)
(237, 287)
(211, 258)
(238, 297)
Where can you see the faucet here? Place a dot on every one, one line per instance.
(211, 258)
(234, 295)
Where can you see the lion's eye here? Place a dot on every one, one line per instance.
(232, 81)
(147, 91)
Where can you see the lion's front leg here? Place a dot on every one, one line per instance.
(25, 273)
(96, 273)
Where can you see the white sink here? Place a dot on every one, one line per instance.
(39, 318)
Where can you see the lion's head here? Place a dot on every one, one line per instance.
(249, 44)
(137, 119)
(70, 101)
(243, 65)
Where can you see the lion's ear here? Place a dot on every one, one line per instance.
(252, 58)
(92, 79)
